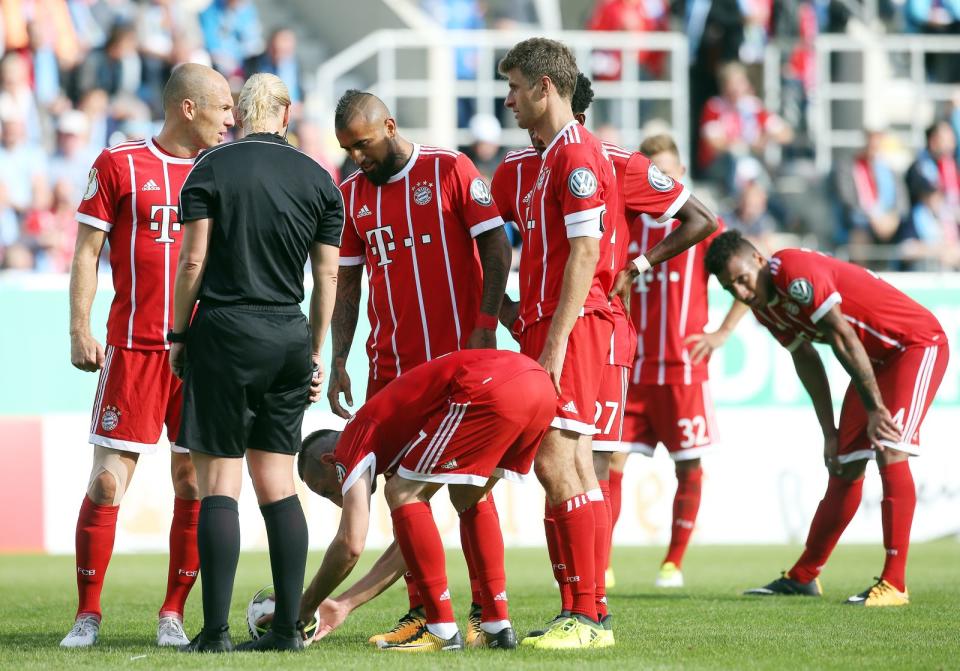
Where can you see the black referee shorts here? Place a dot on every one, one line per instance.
(247, 380)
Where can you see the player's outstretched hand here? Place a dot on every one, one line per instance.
(881, 427)
(621, 285)
(316, 380)
(330, 615)
(86, 353)
(703, 344)
(339, 384)
(482, 339)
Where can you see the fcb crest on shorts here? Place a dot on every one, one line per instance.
(480, 192)
(341, 472)
(582, 183)
(658, 180)
(422, 193)
(110, 419)
(801, 291)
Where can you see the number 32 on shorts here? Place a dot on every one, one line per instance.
(694, 431)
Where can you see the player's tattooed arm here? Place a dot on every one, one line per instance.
(85, 352)
(346, 311)
(849, 350)
(493, 247)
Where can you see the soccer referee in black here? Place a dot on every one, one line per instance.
(253, 211)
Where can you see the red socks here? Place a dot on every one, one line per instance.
(413, 594)
(686, 505)
(601, 542)
(483, 548)
(556, 560)
(419, 541)
(616, 486)
(576, 533)
(96, 529)
(834, 513)
(896, 509)
(184, 557)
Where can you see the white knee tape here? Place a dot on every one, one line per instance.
(106, 460)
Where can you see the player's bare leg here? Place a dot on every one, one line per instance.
(834, 513)
(96, 529)
(419, 540)
(686, 505)
(184, 560)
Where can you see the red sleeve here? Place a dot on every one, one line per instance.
(473, 199)
(502, 189)
(353, 453)
(647, 190)
(577, 185)
(98, 207)
(352, 250)
(808, 283)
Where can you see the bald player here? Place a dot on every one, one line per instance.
(131, 200)
(422, 223)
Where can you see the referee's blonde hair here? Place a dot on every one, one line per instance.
(263, 98)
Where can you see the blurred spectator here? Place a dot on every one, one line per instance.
(514, 14)
(751, 216)
(73, 156)
(280, 59)
(17, 257)
(735, 126)
(953, 116)
(51, 229)
(164, 28)
(232, 34)
(757, 24)
(485, 152)
(936, 167)
(936, 17)
(460, 15)
(308, 138)
(23, 166)
(115, 67)
(16, 95)
(635, 16)
(800, 74)
(868, 197)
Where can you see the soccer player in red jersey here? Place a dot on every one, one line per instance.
(563, 318)
(422, 222)
(465, 419)
(132, 200)
(668, 399)
(895, 352)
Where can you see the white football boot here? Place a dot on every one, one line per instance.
(170, 632)
(85, 632)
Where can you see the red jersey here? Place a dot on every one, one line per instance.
(808, 284)
(623, 340)
(512, 184)
(389, 425)
(415, 236)
(133, 194)
(668, 303)
(574, 194)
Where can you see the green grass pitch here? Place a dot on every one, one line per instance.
(705, 625)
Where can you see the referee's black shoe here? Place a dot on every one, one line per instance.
(218, 641)
(272, 641)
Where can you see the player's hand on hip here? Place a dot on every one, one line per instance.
(552, 359)
(86, 353)
(702, 345)
(621, 285)
(339, 384)
(178, 359)
(881, 427)
(831, 444)
(482, 339)
(331, 614)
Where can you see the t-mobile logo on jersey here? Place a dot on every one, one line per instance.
(165, 223)
(381, 239)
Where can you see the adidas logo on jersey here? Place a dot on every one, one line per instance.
(570, 407)
(150, 185)
(449, 465)
(364, 212)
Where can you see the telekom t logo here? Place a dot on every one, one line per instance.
(166, 223)
(381, 239)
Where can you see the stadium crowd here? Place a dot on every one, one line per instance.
(90, 75)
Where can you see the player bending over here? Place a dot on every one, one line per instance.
(895, 352)
(465, 419)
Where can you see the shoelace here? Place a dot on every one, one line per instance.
(173, 624)
(403, 622)
(83, 627)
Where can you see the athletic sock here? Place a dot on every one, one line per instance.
(616, 488)
(480, 531)
(419, 541)
(601, 549)
(556, 560)
(413, 594)
(834, 513)
(218, 542)
(896, 509)
(287, 541)
(576, 530)
(96, 530)
(184, 560)
(686, 505)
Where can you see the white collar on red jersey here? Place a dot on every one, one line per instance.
(414, 155)
(559, 135)
(163, 156)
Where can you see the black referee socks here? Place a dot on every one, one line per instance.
(218, 541)
(287, 537)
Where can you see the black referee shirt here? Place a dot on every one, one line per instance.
(269, 203)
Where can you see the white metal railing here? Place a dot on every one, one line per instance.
(901, 102)
(399, 73)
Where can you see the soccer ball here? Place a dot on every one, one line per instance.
(261, 606)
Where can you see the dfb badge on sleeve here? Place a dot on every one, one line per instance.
(658, 180)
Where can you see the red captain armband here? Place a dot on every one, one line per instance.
(485, 321)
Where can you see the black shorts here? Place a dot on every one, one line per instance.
(247, 380)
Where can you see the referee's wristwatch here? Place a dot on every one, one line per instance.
(174, 337)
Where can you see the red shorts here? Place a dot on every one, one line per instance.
(623, 342)
(493, 433)
(611, 403)
(588, 347)
(136, 396)
(678, 415)
(908, 381)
